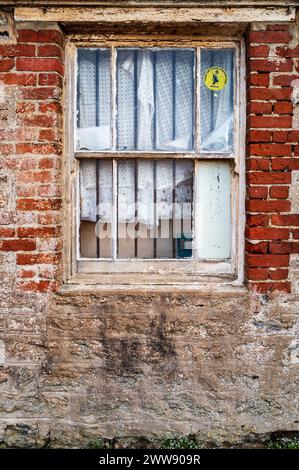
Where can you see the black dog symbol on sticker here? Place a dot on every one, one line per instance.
(215, 77)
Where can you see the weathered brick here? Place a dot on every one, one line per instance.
(259, 136)
(280, 248)
(17, 50)
(261, 247)
(7, 232)
(49, 135)
(46, 163)
(39, 65)
(41, 232)
(262, 164)
(257, 274)
(260, 107)
(6, 64)
(50, 108)
(295, 234)
(278, 274)
(283, 107)
(37, 286)
(295, 247)
(260, 205)
(39, 120)
(41, 93)
(285, 220)
(37, 258)
(277, 27)
(259, 79)
(261, 65)
(280, 94)
(258, 192)
(264, 287)
(288, 52)
(25, 107)
(271, 150)
(282, 164)
(284, 80)
(267, 261)
(267, 233)
(259, 51)
(14, 78)
(270, 122)
(39, 149)
(49, 79)
(279, 192)
(30, 204)
(43, 176)
(269, 37)
(269, 178)
(17, 245)
(281, 136)
(27, 273)
(260, 219)
(49, 50)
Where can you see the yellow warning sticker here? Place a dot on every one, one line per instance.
(215, 78)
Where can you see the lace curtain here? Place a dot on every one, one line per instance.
(155, 99)
(155, 112)
(94, 100)
(171, 180)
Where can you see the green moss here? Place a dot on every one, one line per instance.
(99, 444)
(182, 442)
(284, 444)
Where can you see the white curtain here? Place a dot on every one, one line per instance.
(155, 111)
(137, 181)
(217, 106)
(155, 99)
(94, 100)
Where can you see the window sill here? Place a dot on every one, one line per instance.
(135, 284)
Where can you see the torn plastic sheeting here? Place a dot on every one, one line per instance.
(221, 138)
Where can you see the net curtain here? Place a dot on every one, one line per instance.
(155, 111)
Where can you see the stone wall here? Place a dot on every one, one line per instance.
(144, 364)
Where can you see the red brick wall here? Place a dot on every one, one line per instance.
(272, 155)
(30, 146)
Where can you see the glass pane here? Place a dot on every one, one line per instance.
(96, 208)
(94, 100)
(214, 209)
(155, 99)
(217, 100)
(155, 208)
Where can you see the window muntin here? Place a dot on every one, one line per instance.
(199, 249)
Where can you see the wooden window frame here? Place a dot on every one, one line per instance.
(80, 268)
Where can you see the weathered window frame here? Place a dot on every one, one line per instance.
(231, 269)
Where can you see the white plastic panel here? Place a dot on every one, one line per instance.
(213, 210)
